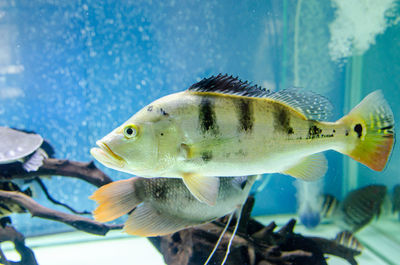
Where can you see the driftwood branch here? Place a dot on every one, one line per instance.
(37, 210)
(254, 243)
(52, 167)
(8, 233)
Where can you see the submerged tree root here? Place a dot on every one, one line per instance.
(56, 167)
(37, 210)
(254, 244)
(84, 171)
(8, 233)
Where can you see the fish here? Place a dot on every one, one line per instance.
(329, 206)
(222, 126)
(347, 239)
(358, 208)
(161, 206)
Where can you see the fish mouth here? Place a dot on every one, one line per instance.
(106, 156)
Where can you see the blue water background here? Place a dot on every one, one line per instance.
(88, 66)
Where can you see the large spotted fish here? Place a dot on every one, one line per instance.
(222, 126)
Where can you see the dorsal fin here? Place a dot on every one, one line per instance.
(310, 104)
(229, 85)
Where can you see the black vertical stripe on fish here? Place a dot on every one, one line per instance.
(329, 205)
(207, 156)
(207, 117)
(246, 116)
(282, 119)
(347, 239)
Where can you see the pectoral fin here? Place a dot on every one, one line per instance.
(193, 151)
(309, 168)
(205, 189)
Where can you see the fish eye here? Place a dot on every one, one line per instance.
(131, 131)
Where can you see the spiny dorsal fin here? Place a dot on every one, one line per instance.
(229, 85)
(311, 105)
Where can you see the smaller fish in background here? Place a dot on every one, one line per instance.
(329, 206)
(362, 205)
(358, 208)
(347, 239)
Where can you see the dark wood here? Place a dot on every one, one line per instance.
(57, 167)
(255, 245)
(37, 210)
(9, 233)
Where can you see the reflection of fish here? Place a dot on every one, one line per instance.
(357, 209)
(7, 207)
(160, 206)
(347, 239)
(222, 126)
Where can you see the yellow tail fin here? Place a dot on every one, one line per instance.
(115, 199)
(371, 123)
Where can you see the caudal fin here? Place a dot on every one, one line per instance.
(115, 199)
(371, 123)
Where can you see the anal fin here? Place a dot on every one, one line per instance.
(147, 221)
(309, 168)
(205, 189)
